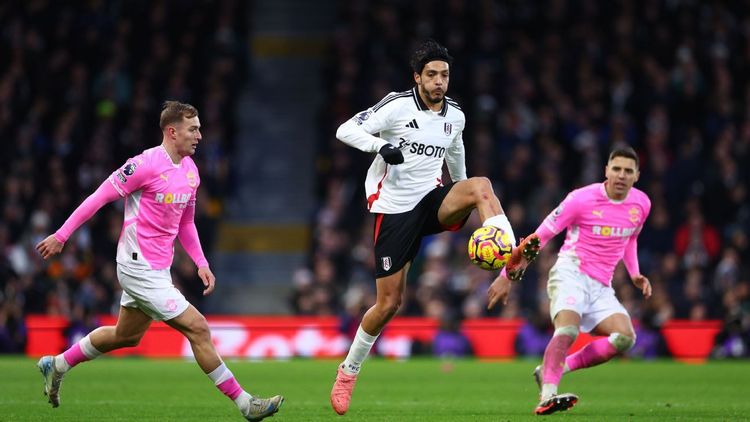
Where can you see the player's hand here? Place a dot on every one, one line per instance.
(641, 281)
(391, 154)
(499, 291)
(208, 280)
(49, 247)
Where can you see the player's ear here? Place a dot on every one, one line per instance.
(417, 78)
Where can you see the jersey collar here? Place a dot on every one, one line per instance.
(603, 190)
(421, 106)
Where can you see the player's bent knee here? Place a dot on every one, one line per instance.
(391, 307)
(481, 188)
(568, 330)
(199, 329)
(621, 342)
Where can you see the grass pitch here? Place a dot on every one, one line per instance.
(131, 389)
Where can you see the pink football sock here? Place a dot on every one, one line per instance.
(596, 352)
(554, 358)
(74, 355)
(231, 388)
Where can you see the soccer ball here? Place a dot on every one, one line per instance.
(490, 248)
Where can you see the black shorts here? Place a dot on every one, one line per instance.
(398, 236)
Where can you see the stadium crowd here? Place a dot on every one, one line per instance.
(81, 86)
(548, 89)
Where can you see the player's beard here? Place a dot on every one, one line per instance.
(430, 98)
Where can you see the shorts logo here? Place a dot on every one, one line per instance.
(386, 263)
(171, 305)
(129, 169)
(570, 300)
(447, 128)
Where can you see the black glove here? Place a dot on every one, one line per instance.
(391, 154)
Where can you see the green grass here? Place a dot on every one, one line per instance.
(131, 389)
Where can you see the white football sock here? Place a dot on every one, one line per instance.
(61, 365)
(358, 351)
(88, 349)
(501, 221)
(220, 374)
(548, 390)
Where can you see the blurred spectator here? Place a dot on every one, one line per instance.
(449, 340)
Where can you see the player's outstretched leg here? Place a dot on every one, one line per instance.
(256, 408)
(538, 376)
(523, 255)
(556, 403)
(52, 379)
(341, 394)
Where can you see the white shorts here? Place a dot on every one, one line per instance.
(151, 291)
(570, 289)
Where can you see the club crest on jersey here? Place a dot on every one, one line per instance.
(192, 179)
(635, 215)
(386, 263)
(447, 128)
(129, 169)
(361, 117)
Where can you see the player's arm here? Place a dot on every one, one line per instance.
(187, 233)
(358, 131)
(630, 259)
(455, 158)
(559, 219)
(54, 243)
(126, 179)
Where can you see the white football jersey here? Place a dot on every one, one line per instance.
(426, 138)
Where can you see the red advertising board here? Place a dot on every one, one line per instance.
(284, 337)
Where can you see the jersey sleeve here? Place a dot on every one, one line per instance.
(131, 176)
(455, 158)
(630, 257)
(563, 215)
(358, 131)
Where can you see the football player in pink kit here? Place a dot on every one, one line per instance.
(603, 222)
(159, 187)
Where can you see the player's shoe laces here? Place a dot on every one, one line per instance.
(257, 409)
(556, 403)
(52, 379)
(538, 376)
(521, 256)
(341, 394)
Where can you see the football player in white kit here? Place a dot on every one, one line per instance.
(417, 130)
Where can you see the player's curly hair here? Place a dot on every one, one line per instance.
(428, 51)
(174, 111)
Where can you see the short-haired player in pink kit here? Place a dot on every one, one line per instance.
(603, 222)
(159, 187)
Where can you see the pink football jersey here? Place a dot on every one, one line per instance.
(157, 193)
(599, 228)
